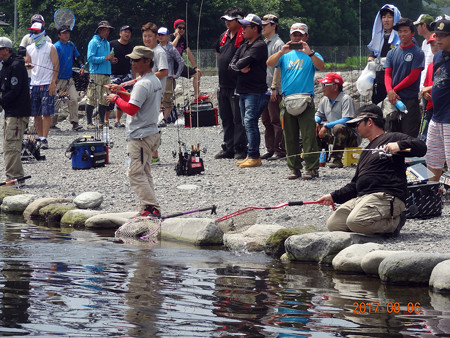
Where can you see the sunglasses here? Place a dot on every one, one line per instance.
(136, 60)
(358, 123)
(327, 84)
(181, 27)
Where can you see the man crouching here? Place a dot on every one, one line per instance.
(374, 201)
(143, 137)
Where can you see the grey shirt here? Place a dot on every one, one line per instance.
(273, 46)
(160, 63)
(146, 94)
(343, 106)
(173, 56)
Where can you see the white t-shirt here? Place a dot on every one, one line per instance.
(426, 48)
(42, 73)
(160, 62)
(146, 94)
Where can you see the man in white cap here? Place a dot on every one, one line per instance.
(298, 64)
(15, 100)
(249, 63)
(423, 27)
(43, 60)
(143, 136)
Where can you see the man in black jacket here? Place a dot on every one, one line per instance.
(374, 200)
(249, 63)
(15, 100)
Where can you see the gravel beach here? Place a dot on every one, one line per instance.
(223, 183)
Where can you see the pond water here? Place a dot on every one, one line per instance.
(80, 284)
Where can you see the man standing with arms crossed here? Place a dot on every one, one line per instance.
(271, 114)
(234, 138)
(67, 52)
(143, 137)
(298, 63)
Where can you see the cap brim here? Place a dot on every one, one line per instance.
(352, 123)
(244, 22)
(133, 56)
(298, 30)
(265, 22)
(228, 18)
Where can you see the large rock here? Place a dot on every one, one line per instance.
(109, 221)
(77, 217)
(198, 231)
(16, 204)
(275, 243)
(7, 191)
(252, 239)
(373, 259)
(53, 213)
(349, 259)
(440, 277)
(88, 200)
(409, 268)
(32, 210)
(321, 247)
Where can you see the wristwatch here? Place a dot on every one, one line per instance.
(312, 53)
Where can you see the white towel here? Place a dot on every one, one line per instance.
(378, 32)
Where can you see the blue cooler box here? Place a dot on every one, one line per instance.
(86, 155)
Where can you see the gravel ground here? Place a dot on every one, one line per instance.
(223, 183)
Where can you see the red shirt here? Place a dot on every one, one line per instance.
(429, 82)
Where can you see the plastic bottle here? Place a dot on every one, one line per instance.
(112, 51)
(323, 158)
(106, 133)
(401, 106)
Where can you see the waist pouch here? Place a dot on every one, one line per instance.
(296, 104)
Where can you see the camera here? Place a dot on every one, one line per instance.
(296, 45)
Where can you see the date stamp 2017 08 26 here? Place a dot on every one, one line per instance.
(375, 307)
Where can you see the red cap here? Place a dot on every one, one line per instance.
(432, 38)
(177, 22)
(332, 78)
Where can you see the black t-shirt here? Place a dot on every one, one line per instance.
(181, 44)
(254, 55)
(123, 66)
(227, 78)
(381, 174)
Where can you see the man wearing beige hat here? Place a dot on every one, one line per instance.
(143, 137)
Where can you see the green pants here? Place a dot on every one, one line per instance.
(14, 128)
(293, 126)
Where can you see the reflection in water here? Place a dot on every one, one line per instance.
(81, 284)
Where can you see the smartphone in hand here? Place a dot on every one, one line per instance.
(296, 46)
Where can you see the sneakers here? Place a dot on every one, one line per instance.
(119, 125)
(238, 163)
(295, 173)
(201, 98)
(76, 126)
(335, 162)
(266, 156)
(150, 211)
(90, 126)
(162, 124)
(156, 160)
(310, 174)
(223, 154)
(276, 157)
(251, 162)
(44, 144)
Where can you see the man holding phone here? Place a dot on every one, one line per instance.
(298, 63)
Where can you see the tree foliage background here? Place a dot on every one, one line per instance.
(331, 22)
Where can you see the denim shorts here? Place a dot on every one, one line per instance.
(41, 102)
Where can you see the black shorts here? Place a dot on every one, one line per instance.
(187, 72)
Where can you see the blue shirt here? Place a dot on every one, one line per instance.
(297, 73)
(402, 61)
(441, 90)
(66, 53)
(98, 48)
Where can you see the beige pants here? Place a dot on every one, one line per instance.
(68, 86)
(14, 128)
(367, 214)
(95, 91)
(139, 173)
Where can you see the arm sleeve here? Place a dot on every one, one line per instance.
(11, 95)
(340, 121)
(126, 107)
(92, 52)
(418, 147)
(388, 79)
(179, 60)
(409, 80)
(346, 193)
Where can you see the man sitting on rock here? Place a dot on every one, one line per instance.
(335, 108)
(374, 201)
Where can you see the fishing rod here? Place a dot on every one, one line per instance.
(107, 86)
(381, 152)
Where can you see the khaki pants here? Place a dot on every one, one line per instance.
(96, 90)
(14, 128)
(68, 86)
(140, 176)
(368, 214)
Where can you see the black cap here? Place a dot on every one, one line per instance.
(63, 29)
(365, 112)
(404, 22)
(441, 25)
(125, 27)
